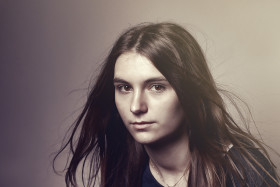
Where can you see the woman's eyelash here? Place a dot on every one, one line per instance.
(123, 88)
(153, 87)
(158, 87)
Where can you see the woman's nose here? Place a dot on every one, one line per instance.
(138, 103)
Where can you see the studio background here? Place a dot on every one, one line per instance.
(50, 50)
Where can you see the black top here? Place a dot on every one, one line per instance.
(253, 179)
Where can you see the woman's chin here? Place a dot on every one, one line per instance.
(144, 138)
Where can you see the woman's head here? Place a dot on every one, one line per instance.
(178, 58)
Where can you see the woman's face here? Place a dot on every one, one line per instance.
(147, 103)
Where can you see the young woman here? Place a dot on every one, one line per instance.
(155, 118)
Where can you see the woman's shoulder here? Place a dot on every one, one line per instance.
(255, 175)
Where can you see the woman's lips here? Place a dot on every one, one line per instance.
(142, 124)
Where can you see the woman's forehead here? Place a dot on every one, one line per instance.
(132, 65)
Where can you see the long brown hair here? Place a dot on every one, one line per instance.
(107, 149)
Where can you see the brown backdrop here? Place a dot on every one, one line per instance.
(49, 50)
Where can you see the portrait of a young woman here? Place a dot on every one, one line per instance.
(155, 117)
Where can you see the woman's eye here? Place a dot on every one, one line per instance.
(124, 88)
(158, 88)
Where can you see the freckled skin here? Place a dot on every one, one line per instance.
(143, 94)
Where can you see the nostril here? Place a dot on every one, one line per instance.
(138, 103)
(138, 107)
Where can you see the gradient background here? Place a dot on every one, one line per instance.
(50, 49)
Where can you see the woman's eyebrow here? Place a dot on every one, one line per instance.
(156, 79)
(153, 79)
(119, 80)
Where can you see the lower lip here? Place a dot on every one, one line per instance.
(142, 126)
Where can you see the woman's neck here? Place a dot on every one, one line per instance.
(172, 156)
(171, 159)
